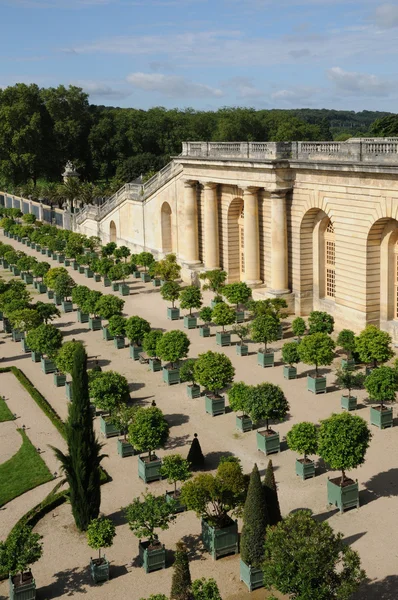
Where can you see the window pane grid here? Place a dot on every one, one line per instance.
(330, 260)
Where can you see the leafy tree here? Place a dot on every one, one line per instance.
(290, 353)
(89, 304)
(195, 455)
(342, 441)
(238, 396)
(109, 305)
(205, 589)
(264, 329)
(65, 358)
(123, 417)
(187, 371)
(145, 259)
(136, 329)
(45, 339)
(347, 380)
(48, 312)
(214, 371)
(79, 295)
(119, 271)
(267, 401)
(306, 559)
(168, 269)
(100, 534)
(242, 331)
(255, 521)
(51, 276)
(122, 252)
(237, 293)
(150, 342)
(303, 438)
(346, 339)
(175, 468)
(215, 281)
(153, 512)
(173, 346)
(108, 389)
(109, 249)
(317, 349)
(29, 218)
(270, 306)
(271, 495)
(149, 430)
(26, 263)
(181, 581)
(25, 319)
(40, 269)
(117, 326)
(170, 291)
(103, 266)
(190, 297)
(374, 345)
(206, 315)
(21, 549)
(320, 322)
(382, 385)
(156, 597)
(223, 314)
(63, 286)
(299, 327)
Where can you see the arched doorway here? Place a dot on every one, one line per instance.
(167, 236)
(236, 241)
(112, 232)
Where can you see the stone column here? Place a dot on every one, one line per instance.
(279, 260)
(41, 213)
(191, 250)
(251, 236)
(211, 245)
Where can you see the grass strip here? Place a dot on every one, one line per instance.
(5, 413)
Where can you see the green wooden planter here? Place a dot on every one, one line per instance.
(265, 359)
(223, 338)
(155, 364)
(61, 258)
(7, 326)
(23, 241)
(15, 271)
(289, 372)
(107, 428)
(5, 264)
(49, 252)
(190, 322)
(55, 256)
(348, 364)
(135, 351)
(82, 317)
(106, 335)
(67, 306)
(81, 269)
(28, 278)
(17, 336)
(38, 248)
(152, 558)
(94, 324)
(57, 300)
(66, 262)
(68, 390)
(243, 423)
(47, 366)
(124, 448)
(24, 591)
(171, 376)
(119, 342)
(149, 471)
(204, 331)
(43, 251)
(348, 402)
(220, 542)
(33, 245)
(173, 314)
(50, 294)
(242, 349)
(88, 273)
(28, 243)
(381, 418)
(59, 379)
(35, 356)
(179, 506)
(251, 576)
(75, 265)
(124, 290)
(41, 288)
(193, 391)
(305, 470)
(316, 385)
(268, 441)
(215, 405)
(137, 274)
(107, 282)
(240, 316)
(343, 497)
(97, 277)
(99, 569)
(145, 277)
(115, 286)
(24, 345)
(156, 282)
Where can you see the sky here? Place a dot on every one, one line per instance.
(207, 54)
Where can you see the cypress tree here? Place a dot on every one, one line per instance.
(195, 455)
(271, 496)
(255, 521)
(81, 464)
(181, 581)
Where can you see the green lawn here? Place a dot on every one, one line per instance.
(24, 471)
(5, 413)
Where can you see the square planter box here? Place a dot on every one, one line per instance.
(22, 591)
(38, 248)
(25, 346)
(94, 324)
(97, 277)
(57, 300)
(171, 376)
(124, 290)
(124, 448)
(190, 322)
(55, 255)
(99, 569)
(81, 269)
(242, 349)
(135, 351)
(265, 359)
(68, 390)
(193, 391)
(28, 278)
(41, 288)
(50, 294)
(23, 241)
(348, 364)
(5, 264)
(35, 356)
(240, 316)
(305, 470)
(61, 258)
(108, 429)
(149, 471)
(155, 364)
(107, 282)
(381, 418)
(7, 326)
(82, 317)
(316, 385)
(115, 287)
(289, 372)
(243, 423)
(15, 271)
(348, 402)
(145, 277)
(43, 251)
(119, 342)
(33, 245)
(152, 558)
(251, 576)
(106, 335)
(66, 262)
(204, 331)
(173, 313)
(170, 498)
(343, 497)
(220, 542)
(74, 265)
(268, 442)
(156, 282)
(17, 336)
(88, 273)
(67, 306)
(215, 405)
(137, 274)
(59, 379)
(223, 338)
(47, 366)
(49, 252)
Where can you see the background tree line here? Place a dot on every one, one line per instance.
(42, 128)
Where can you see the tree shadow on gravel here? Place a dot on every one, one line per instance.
(383, 484)
(76, 331)
(134, 387)
(177, 442)
(194, 546)
(118, 517)
(384, 589)
(212, 459)
(176, 419)
(116, 571)
(13, 358)
(67, 583)
(312, 371)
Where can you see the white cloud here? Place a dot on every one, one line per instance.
(294, 96)
(351, 82)
(386, 16)
(99, 89)
(173, 86)
(244, 87)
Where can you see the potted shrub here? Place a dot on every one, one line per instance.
(149, 345)
(316, 349)
(63, 287)
(373, 347)
(100, 534)
(170, 292)
(223, 315)
(320, 322)
(48, 312)
(168, 269)
(136, 329)
(119, 272)
(190, 297)
(346, 339)
(267, 402)
(39, 271)
(342, 443)
(242, 331)
(205, 315)
(238, 396)
(108, 390)
(238, 294)
(144, 516)
(215, 499)
(122, 419)
(95, 267)
(149, 431)
(46, 340)
(187, 373)
(117, 329)
(153, 273)
(215, 282)
(214, 371)
(290, 356)
(299, 328)
(347, 380)
(303, 438)
(79, 296)
(382, 385)
(145, 259)
(64, 362)
(21, 549)
(103, 266)
(89, 306)
(23, 321)
(122, 252)
(175, 468)
(108, 306)
(25, 265)
(172, 346)
(264, 329)
(82, 261)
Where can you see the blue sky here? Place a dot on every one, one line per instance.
(206, 54)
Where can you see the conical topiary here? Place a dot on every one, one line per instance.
(181, 581)
(255, 521)
(271, 496)
(195, 455)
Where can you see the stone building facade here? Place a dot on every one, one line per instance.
(315, 222)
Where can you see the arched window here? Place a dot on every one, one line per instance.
(330, 257)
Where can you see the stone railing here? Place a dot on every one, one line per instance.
(43, 212)
(256, 150)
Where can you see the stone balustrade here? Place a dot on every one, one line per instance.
(43, 212)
